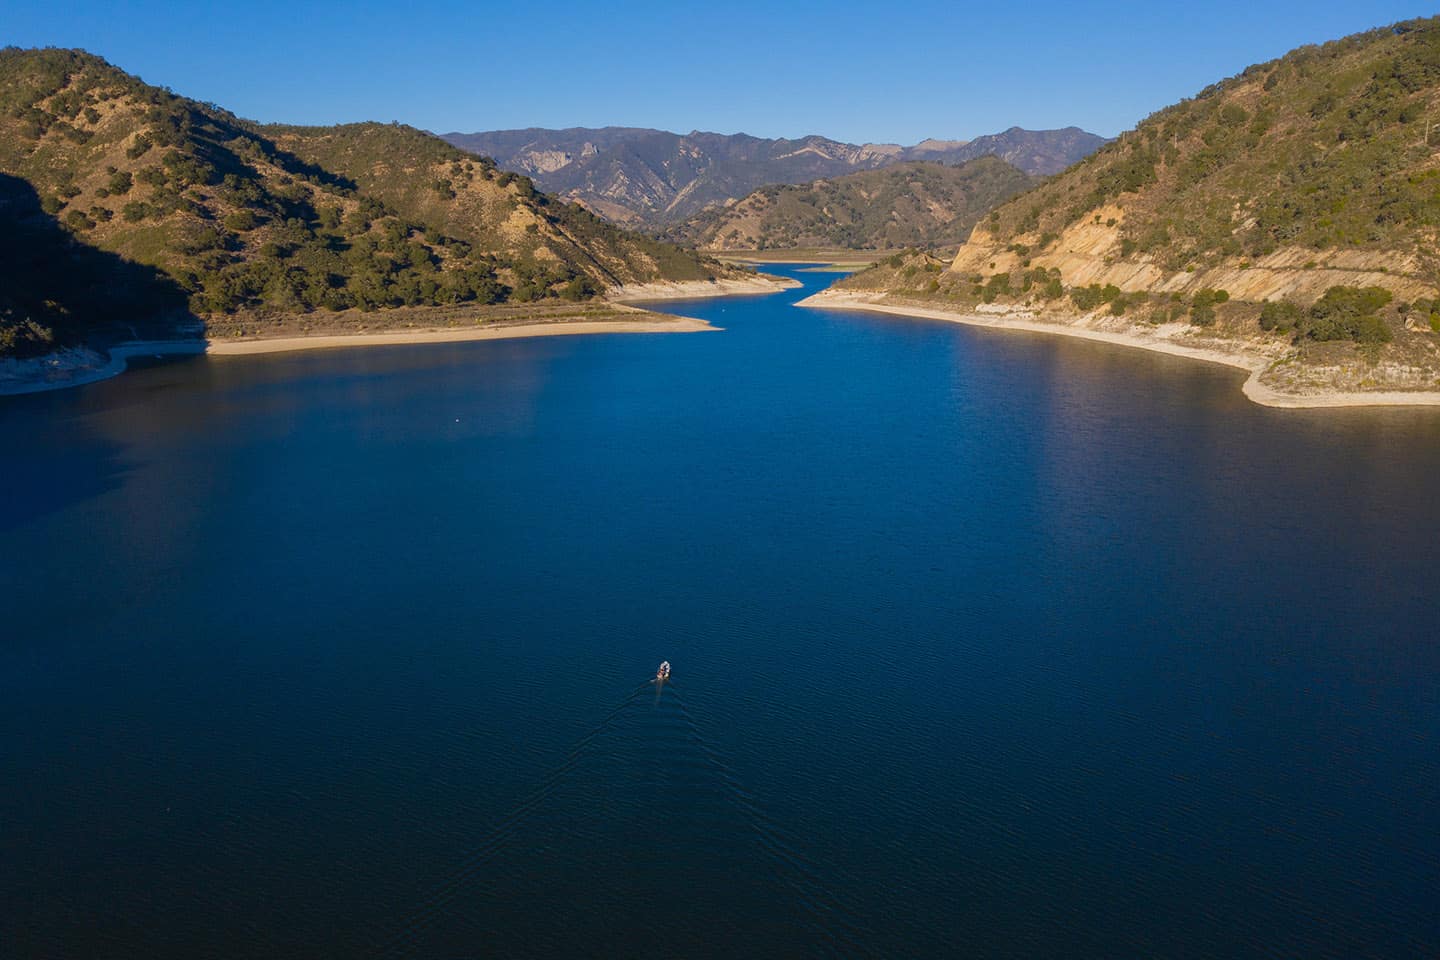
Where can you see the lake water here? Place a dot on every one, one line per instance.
(984, 644)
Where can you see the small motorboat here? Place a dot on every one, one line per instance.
(663, 674)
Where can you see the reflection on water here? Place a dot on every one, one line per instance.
(992, 644)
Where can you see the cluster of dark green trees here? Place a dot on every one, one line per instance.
(1343, 313)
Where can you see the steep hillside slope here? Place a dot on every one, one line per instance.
(909, 204)
(1295, 175)
(654, 179)
(202, 213)
(1291, 210)
(427, 180)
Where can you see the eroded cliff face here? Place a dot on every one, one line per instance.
(540, 162)
(1091, 251)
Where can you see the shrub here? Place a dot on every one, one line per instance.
(138, 149)
(996, 286)
(1086, 298)
(241, 220)
(1349, 313)
(1279, 315)
(1202, 306)
(579, 288)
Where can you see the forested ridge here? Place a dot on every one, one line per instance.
(188, 210)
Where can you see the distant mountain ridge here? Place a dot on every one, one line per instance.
(902, 205)
(654, 178)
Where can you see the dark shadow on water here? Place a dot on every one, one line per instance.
(82, 294)
(47, 471)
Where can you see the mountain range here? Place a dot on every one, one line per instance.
(654, 178)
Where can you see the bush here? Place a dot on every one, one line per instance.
(139, 148)
(1349, 313)
(579, 288)
(1125, 301)
(996, 286)
(1086, 298)
(1202, 306)
(1279, 315)
(1091, 297)
(241, 220)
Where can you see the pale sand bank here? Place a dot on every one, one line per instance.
(1254, 360)
(81, 365)
(77, 366)
(560, 328)
(695, 289)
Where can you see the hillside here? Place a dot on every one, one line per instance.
(1290, 210)
(909, 204)
(189, 211)
(655, 179)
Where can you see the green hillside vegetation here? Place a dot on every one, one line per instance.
(1300, 198)
(243, 218)
(910, 204)
(1328, 147)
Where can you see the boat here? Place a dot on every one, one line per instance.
(663, 673)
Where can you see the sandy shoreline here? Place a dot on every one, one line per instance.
(697, 289)
(558, 328)
(1253, 362)
(76, 366)
(81, 365)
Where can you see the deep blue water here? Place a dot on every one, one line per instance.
(984, 645)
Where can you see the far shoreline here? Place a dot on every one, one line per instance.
(1254, 364)
(552, 328)
(81, 365)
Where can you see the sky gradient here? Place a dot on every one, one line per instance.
(853, 71)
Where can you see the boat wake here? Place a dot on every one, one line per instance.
(642, 818)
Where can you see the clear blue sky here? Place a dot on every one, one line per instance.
(877, 71)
